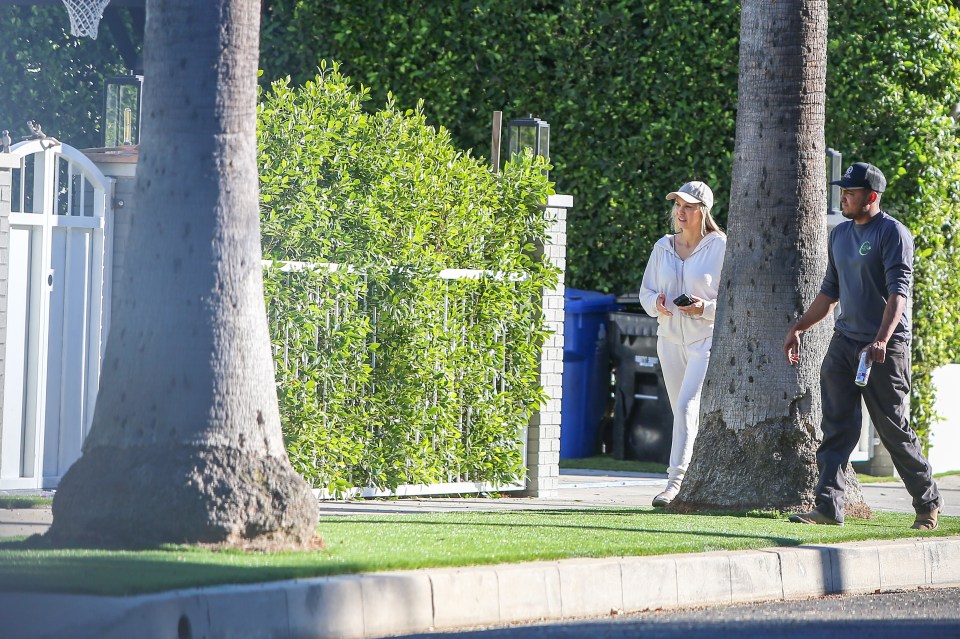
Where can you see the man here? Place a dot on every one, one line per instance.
(869, 269)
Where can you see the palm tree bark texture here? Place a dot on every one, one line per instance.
(759, 429)
(186, 445)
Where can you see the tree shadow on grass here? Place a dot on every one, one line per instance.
(23, 568)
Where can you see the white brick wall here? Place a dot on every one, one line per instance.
(543, 435)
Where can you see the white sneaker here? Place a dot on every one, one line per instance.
(664, 498)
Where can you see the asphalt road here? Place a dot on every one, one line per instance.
(929, 613)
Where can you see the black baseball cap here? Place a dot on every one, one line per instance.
(862, 176)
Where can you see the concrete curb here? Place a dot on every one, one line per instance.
(375, 605)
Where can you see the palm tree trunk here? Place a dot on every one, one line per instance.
(759, 416)
(186, 445)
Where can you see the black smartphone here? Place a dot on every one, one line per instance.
(683, 300)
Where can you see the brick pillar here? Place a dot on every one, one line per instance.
(121, 165)
(7, 164)
(543, 433)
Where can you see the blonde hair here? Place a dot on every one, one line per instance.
(707, 223)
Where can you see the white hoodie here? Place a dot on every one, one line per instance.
(698, 275)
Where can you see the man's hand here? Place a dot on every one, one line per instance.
(791, 346)
(821, 306)
(877, 352)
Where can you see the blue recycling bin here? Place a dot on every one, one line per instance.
(586, 370)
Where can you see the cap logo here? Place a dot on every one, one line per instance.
(849, 172)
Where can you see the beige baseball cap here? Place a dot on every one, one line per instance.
(694, 193)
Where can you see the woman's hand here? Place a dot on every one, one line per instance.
(662, 305)
(692, 310)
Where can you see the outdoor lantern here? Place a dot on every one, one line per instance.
(528, 133)
(121, 110)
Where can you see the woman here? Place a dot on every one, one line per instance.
(685, 262)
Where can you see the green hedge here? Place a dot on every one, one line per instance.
(641, 97)
(638, 101)
(893, 87)
(389, 373)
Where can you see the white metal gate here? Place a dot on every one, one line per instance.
(57, 311)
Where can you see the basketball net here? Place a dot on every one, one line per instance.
(85, 16)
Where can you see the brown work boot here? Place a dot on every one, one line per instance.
(927, 521)
(814, 517)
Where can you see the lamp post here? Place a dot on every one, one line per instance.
(121, 110)
(528, 133)
(834, 158)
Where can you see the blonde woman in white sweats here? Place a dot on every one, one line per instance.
(685, 262)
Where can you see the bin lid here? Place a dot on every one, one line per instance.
(635, 324)
(578, 301)
(630, 302)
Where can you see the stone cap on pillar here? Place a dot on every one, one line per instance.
(119, 161)
(560, 201)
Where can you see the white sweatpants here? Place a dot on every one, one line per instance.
(684, 367)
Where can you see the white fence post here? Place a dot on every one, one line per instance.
(7, 164)
(543, 434)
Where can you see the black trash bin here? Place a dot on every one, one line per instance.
(642, 417)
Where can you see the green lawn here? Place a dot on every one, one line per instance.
(388, 542)
(368, 543)
(607, 462)
(25, 501)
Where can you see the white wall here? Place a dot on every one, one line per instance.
(945, 435)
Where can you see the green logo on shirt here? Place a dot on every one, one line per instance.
(865, 248)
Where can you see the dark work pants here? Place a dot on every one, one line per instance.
(886, 398)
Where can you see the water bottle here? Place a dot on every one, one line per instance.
(863, 371)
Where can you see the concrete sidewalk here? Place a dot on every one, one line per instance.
(578, 489)
(382, 604)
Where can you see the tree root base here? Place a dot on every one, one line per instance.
(217, 497)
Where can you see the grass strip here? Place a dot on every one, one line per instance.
(864, 478)
(24, 501)
(606, 462)
(360, 543)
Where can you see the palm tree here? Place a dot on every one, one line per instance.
(759, 416)
(186, 445)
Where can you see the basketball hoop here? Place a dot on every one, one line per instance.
(85, 16)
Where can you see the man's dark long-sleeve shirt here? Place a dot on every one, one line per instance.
(867, 263)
